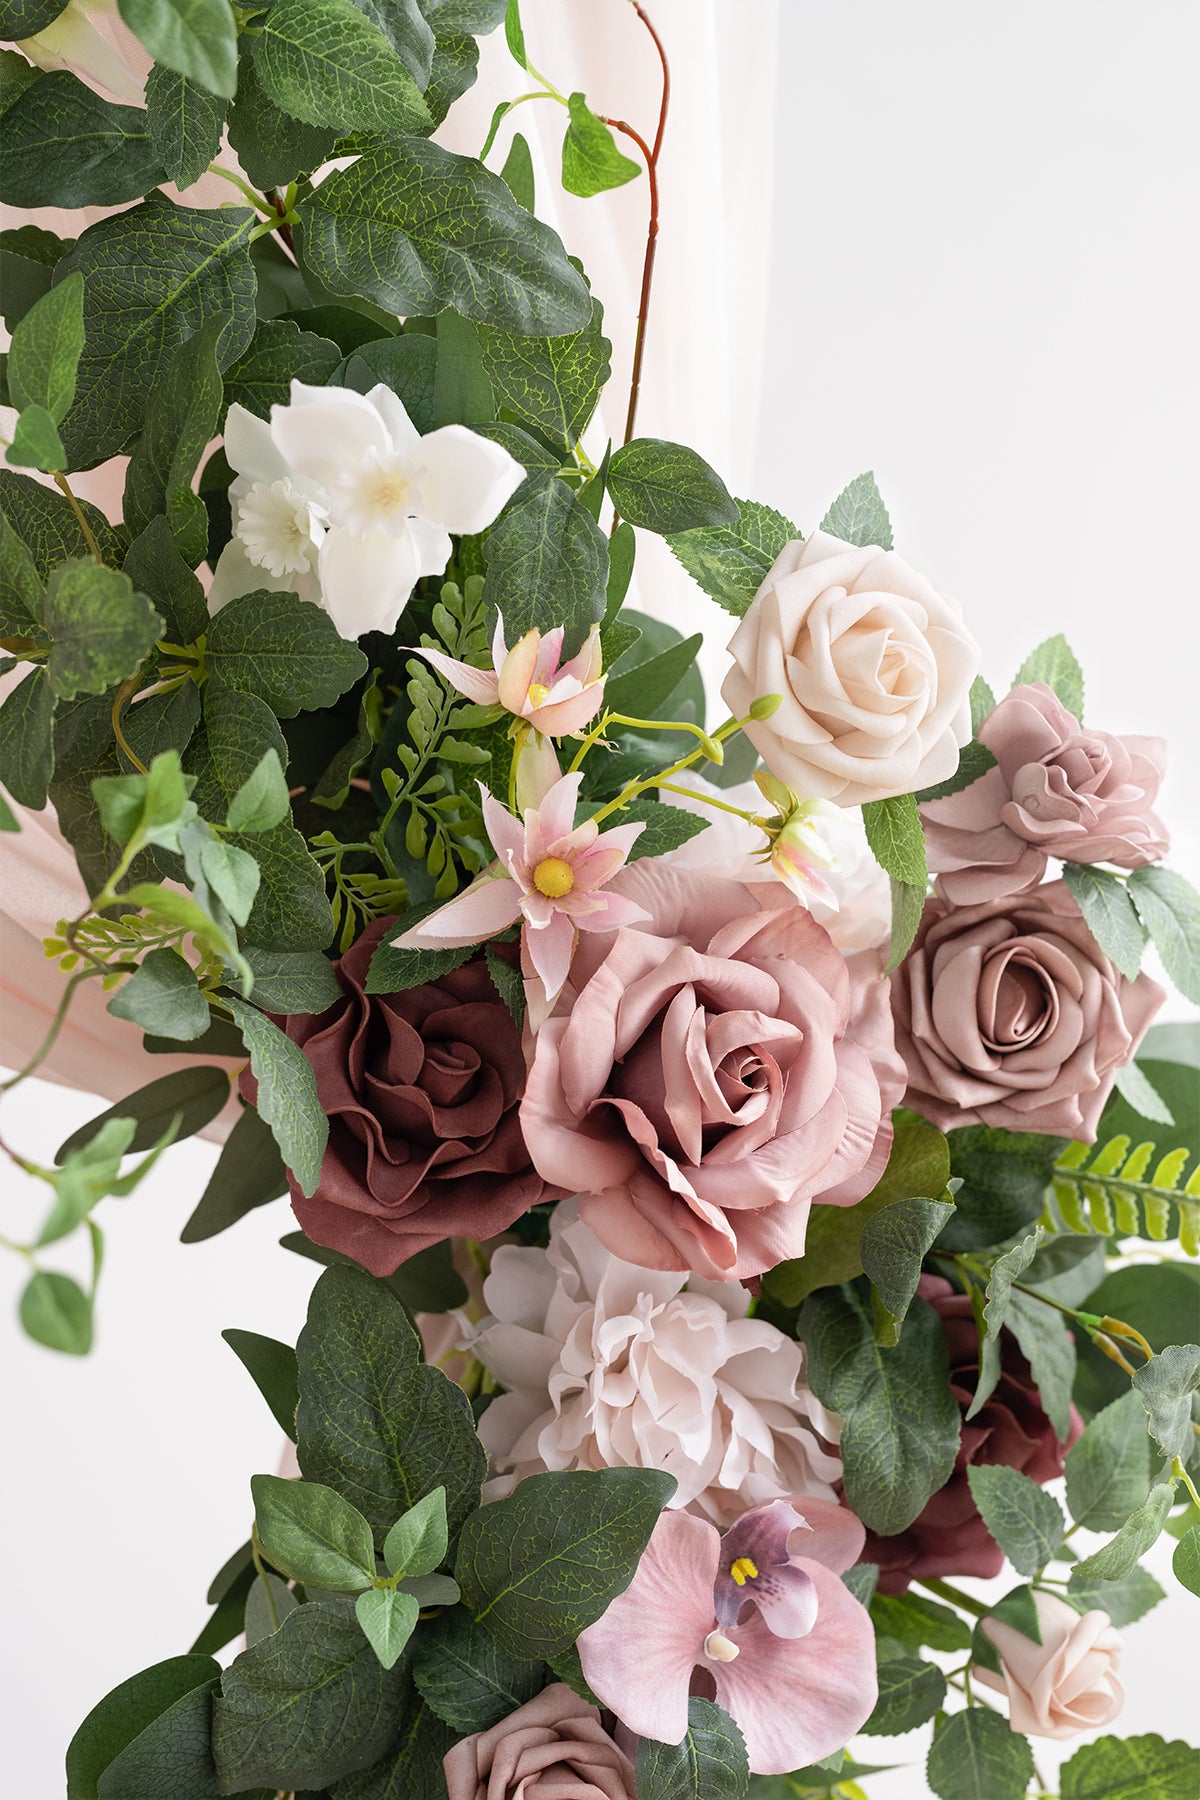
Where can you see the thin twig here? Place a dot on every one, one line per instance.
(651, 155)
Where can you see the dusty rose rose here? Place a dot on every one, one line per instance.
(421, 1089)
(874, 666)
(552, 1748)
(608, 1365)
(1056, 790)
(706, 1077)
(949, 1537)
(1067, 1683)
(1009, 1013)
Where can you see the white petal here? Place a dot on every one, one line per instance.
(326, 432)
(394, 414)
(433, 545)
(251, 448)
(464, 480)
(366, 579)
(236, 575)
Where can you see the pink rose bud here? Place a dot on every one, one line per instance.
(1067, 1683)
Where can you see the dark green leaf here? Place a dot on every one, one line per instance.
(974, 760)
(27, 252)
(156, 568)
(173, 1754)
(162, 997)
(299, 981)
(668, 488)
(1005, 1175)
(1166, 1384)
(1055, 663)
(162, 722)
(897, 839)
(287, 1094)
(416, 228)
(858, 515)
(517, 173)
(45, 352)
(249, 1173)
(46, 524)
(393, 971)
(65, 146)
(267, 1605)
(272, 147)
(21, 590)
(1025, 1521)
(976, 1755)
(1135, 1768)
(100, 628)
(406, 364)
(185, 122)
(1124, 1601)
(56, 1312)
(915, 1622)
(910, 1692)
(1185, 1562)
(194, 1096)
(312, 1534)
(547, 564)
(1169, 908)
(666, 827)
(710, 1764)
(893, 1245)
(27, 739)
(22, 18)
(549, 383)
(197, 38)
(1049, 1348)
(325, 62)
(466, 1676)
(118, 1719)
(279, 353)
(462, 391)
(412, 1769)
(181, 419)
(272, 1367)
(286, 653)
(1111, 916)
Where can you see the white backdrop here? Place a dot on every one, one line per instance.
(980, 281)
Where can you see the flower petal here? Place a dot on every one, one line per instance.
(478, 685)
(366, 579)
(537, 771)
(550, 950)
(326, 432)
(434, 548)
(491, 903)
(250, 447)
(465, 481)
(394, 413)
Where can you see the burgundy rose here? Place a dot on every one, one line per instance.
(421, 1089)
(949, 1537)
(1056, 790)
(1009, 1013)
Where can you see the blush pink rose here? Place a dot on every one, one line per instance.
(708, 1076)
(1067, 1683)
(875, 669)
(1057, 790)
(552, 1748)
(1009, 1013)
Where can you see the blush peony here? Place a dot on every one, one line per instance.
(708, 1076)
(612, 1366)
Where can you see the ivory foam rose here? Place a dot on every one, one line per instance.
(1067, 1683)
(875, 669)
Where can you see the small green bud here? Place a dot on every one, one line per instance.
(765, 705)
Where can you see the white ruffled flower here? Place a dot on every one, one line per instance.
(74, 42)
(613, 1366)
(340, 500)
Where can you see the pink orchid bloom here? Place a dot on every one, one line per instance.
(551, 872)
(531, 682)
(757, 1619)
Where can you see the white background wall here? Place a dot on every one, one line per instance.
(982, 284)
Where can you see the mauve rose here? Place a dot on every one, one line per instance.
(552, 1748)
(1056, 790)
(1067, 1683)
(706, 1077)
(421, 1089)
(1009, 1013)
(1011, 1428)
(874, 666)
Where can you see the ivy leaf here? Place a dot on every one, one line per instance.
(551, 384)
(185, 122)
(910, 1693)
(1169, 908)
(1055, 663)
(547, 564)
(249, 1173)
(1025, 1521)
(976, 1755)
(196, 38)
(416, 229)
(181, 418)
(711, 1763)
(325, 62)
(1110, 915)
(858, 515)
(467, 1676)
(1166, 1385)
(1135, 1768)
(1142, 1528)
(285, 653)
(66, 146)
(591, 162)
(418, 1541)
(45, 352)
(287, 1094)
(162, 997)
(313, 1535)
(897, 838)
(542, 1564)
(731, 562)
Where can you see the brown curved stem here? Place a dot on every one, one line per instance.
(650, 153)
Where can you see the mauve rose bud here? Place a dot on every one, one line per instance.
(1067, 1683)
(552, 1748)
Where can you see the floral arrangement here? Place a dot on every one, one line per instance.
(734, 1140)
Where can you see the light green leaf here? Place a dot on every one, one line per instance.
(46, 347)
(388, 1619)
(668, 488)
(233, 875)
(1055, 663)
(35, 441)
(1106, 904)
(1007, 1269)
(1166, 1384)
(197, 38)
(1025, 1521)
(983, 702)
(910, 1692)
(1135, 1086)
(711, 1763)
(1186, 1560)
(974, 760)
(89, 1174)
(547, 564)
(908, 909)
(1134, 1768)
(897, 838)
(181, 419)
(56, 1312)
(731, 562)
(287, 1094)
(262, 800)
(418, 1540)
(858, 515)
(185, 123)
(1169, 908)
(100, 628)
(297, 981)
(415, 228)
(326, 63)
(976, 1755)
(1141, 1529)
(591, 162)
(513, 32)
(1124, 1601)
(272, 1367)
(65, 146)
(466, 1675)
(313, 1535)
(549, 383)
(282, 651)
(162, 997)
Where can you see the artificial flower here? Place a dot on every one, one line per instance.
(531, 681)
(421, 1090)
(706, 1077)
(552, 1748)
(340, 500)
(796, 851)
(1056, 790)
(75, 42)
(1009, 1013)
(948, 1537)
(552, 874)
(1065, 1684)
(874, 666)
(608, 1365)
(758, 1619)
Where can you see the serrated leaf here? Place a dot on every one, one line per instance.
(976, 1755)
(1134, 1768)
(668, 488)
(858, 515)
(1166, 1384)
(45, 351)
(1169, 908)
(1141, 1529)
(893, 1245)
(162, 997)
(281, 650)
(181, 418)
(1025, 1521)
(711, 1763)
(666, 827)
(591, 162)
(327, 63)
(549, 383)
(1110, 914)
(547, 564)
(897, 838)
(1125, 1601)
(1055, 663)
(185, 122)
(731, 562)
(910, 1692)
(974, 760)
(272, 147)
(100, 629)
(287, 1094)
(46, 524)
(197, 38)
(279, 353)
(914, 1621)
(292, 981)
(66, 146)
(311, 1534)
(466, 1675)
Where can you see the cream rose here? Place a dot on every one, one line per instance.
(874, 666)
(1067, 1683)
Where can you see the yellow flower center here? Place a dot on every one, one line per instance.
(553, 877)
(538, 693)
(742, 1570)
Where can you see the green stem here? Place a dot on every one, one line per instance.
(632, 789)
(64, 487)
(672, 787)
(945, 1591)
(247, 192)
(1181, 1474)
(256, 1553)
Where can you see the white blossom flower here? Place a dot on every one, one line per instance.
(74, 42)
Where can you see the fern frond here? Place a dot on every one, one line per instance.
(1120, 1189)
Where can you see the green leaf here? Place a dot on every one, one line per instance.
(406, 364)
(307, 1705)
(1169, 908)
(412, 1769)
(1055, 664)
(233, 875)
(976, 1755)
(1141, 1529)
(893, 1246)
(374, 1422)
(91, 1173)
(196, 38)
(910, 1692)
(46, 347)
(65, 146)
(1136, 1768)
(858, 515)
(272, 1367)
(1186, 1561)
(897, 839)
(100, 628)
(513, 33)
(27, 739)
(35, 441)
(1134, 1086)
(8, 818)
(915, 1622)
(466, 1675)
(313, 1535)
(163, 722)
(902, 1422)
(462, 391)
(1108, 908)
(249, 1173)
(1007, 1269)
(1005, 1175)
(21, 590)
(262, 800)
(508, 983)
(27, 253)
(731, 562)
(1166, 1384)
(23, 18)
(287, 1094)
(710, 1764)
(281, 650)
(272, 147)
(185, 122)
(193, 1096)
(267, 1605)
(393, 971)
(418, 1541)
(45, 521)
(388, 1619)
(666, 827)
(547, 564)
(162, 997)
(296, 981)
(326, 63)
(668, 488)
(155, 566)
(56, 1312)
(279, 353)
(974, 760)
(591, 162)
(1124, 1601)
(120, 1718)
(174, 1749)
(1111, 1467)
(150, 807)
(542, 1564)
(551, 384)
(152, 277)
(181, 419)
(1025, 1521)
(1049, 1348)
(416, 229)
(517, 173)
(983, 702)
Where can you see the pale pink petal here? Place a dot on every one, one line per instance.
(489, 905)
(326, 432)
(617, 913)
(548, 661)
(465, 480)
(835, 1537)
(556, 814)
(507, 834)
(517, 671)
(558, 717)
(478, 685)
(537, 771)
(587, 662)
(366, 579)
(550, 951)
